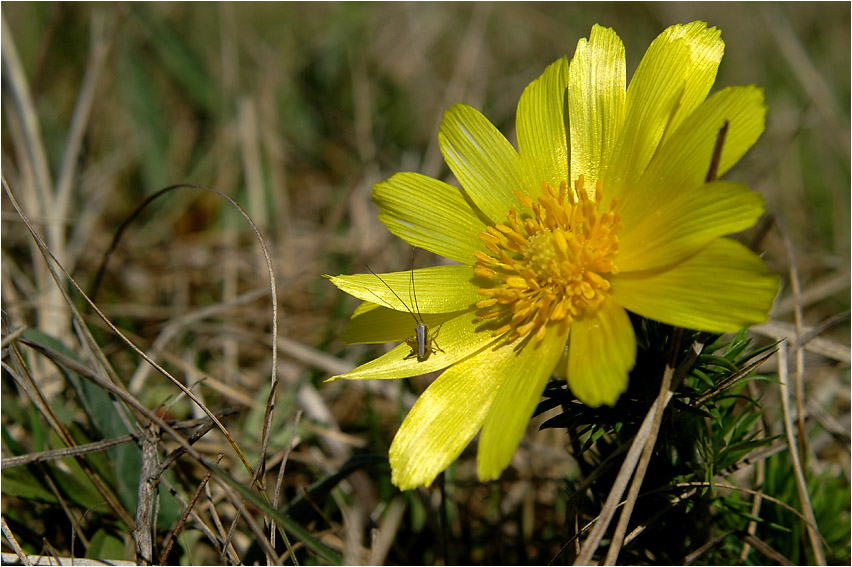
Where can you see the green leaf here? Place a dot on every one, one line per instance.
(19, 482)
(713, 360)
(104, 545)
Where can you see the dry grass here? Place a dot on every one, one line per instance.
(295, 111)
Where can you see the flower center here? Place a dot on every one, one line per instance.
(550, 263)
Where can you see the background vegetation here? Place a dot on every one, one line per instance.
(294, 110)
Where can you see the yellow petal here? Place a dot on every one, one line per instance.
(483, 161)
(542, 142)
(372, 323)
(601, 352)
(684, 159)
(682, 222)
(457, 339)
(445, 418)
(524, 377)
(721, 289)
(596, 96)
(673, 77)
(706, 51)
(438, 289)
(429, 214)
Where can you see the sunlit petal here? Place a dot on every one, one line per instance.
(484, 162)
(429, 214)
(446, 417)
(596, 98)
(685, 222)
(542, 141)
(722, 288)
(601, 352)
(524, 379)
(456, 339)
(672, 79)
(438, 289)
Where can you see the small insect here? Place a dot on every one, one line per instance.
(422, 344)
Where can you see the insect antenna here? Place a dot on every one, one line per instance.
(416, 319)
(422, 345)
(412, 289)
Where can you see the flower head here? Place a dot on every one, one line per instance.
(604, 208)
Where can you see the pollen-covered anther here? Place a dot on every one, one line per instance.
(550, 262)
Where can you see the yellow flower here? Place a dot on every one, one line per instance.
(600, 211)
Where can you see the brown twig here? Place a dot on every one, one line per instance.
(647, 452)
(798, 472)
(645, 434)
(98, 446)
(147, 492)
(280, 480)
(10, 537)
(205, 529)
(260, 538)
(170, 540)
(763, 548)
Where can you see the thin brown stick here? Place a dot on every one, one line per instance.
(280, 480)
(10, 537)
(54, 454)
(833, 350)
(813, 332)
(620, 485)
(12, 336)
(146, 494)
(172, 537)
(733, 378)
(645, 459)
(205, 529)
(260, 537)
(798, 451)
(54, 559)
(701, 551)
(798, 319)
(749, 539)
(798, 472)
(637, 531)
(754, 458)
(763, 548)
(225, 547)
(98, 446)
